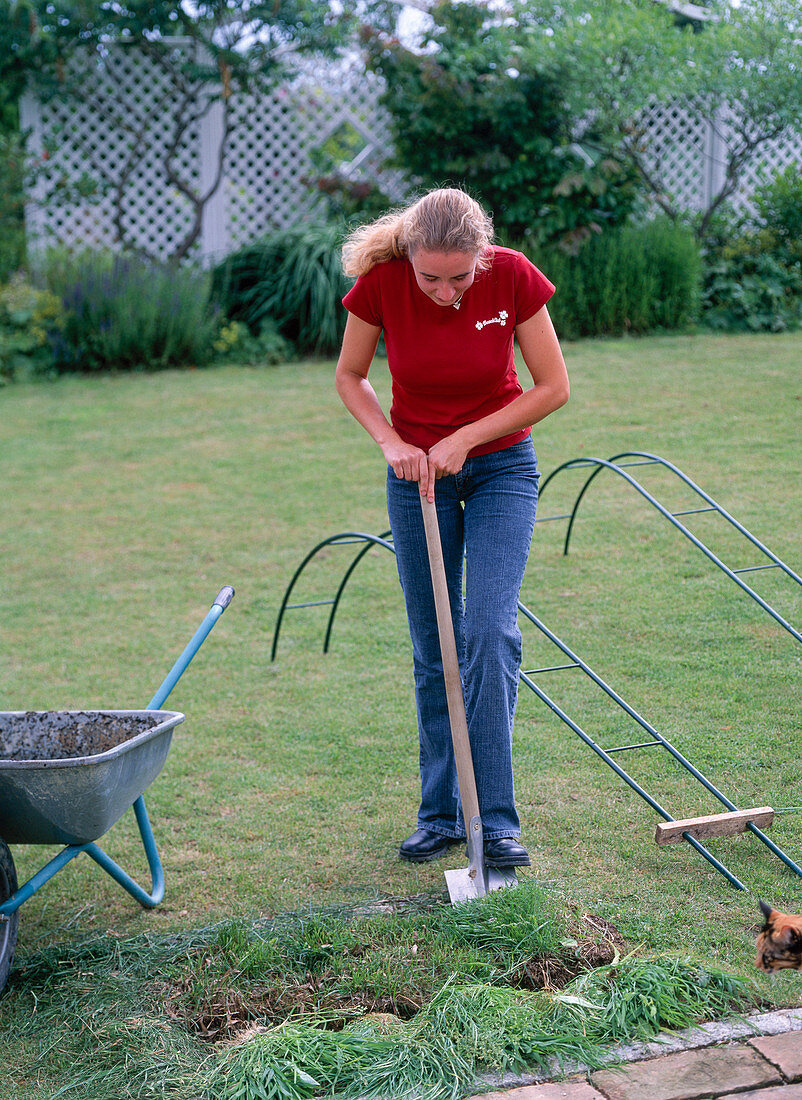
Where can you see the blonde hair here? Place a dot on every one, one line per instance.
(445, 220)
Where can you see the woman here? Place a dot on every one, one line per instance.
(449, 304)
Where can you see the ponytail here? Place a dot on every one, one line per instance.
(445, 220)
(374, 244)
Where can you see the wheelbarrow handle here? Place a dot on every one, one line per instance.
(222, 601)
(224, 597)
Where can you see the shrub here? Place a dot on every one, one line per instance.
(779, 205)
(631, 279)
(753, 269)
(469, 107)
(292, 279)
(30, 322)
(235, 344)
(749, 289)
(123, 313)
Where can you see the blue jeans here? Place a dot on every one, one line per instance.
(486, 515)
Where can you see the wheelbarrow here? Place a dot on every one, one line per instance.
(67, 776)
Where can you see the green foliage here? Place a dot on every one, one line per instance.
(779, 205)
(350, 201)
(123, 313)
(344, 199)
(753, 267)
(612, 58)
(377, 961)
(596, 194)
(632, 279)
(749, 289)
(12, 228)
(639, 995)
(206, 58)
(517, 925)
(465, 110)
(24, 50)
(294, 1062)
(235, 344)
(30, 321)
(597, 64)
(42, 33)
(750, 56)
(461, 1024)
(291, 279)
(615, 57)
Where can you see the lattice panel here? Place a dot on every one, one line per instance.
(115, 134)
(678, 153)
(281, 144)
(111, 138)
(773, 157)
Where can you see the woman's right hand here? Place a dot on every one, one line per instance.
(409, 463)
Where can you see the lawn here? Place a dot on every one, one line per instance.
(131, 500)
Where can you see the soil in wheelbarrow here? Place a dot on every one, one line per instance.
(64, 735)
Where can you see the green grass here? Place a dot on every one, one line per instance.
(129, 501)
(300, 1006)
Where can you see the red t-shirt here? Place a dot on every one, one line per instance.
(450, 366)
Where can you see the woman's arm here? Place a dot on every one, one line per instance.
(541, 352)
(359, 397)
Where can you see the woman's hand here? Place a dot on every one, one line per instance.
(409, 463)
(448, 455)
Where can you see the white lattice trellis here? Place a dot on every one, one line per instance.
(112, 141)
(91, 143)
(688, 154)
(274, 154)
(679, 154)
(104, 154)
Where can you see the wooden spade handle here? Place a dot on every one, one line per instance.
(448, 648)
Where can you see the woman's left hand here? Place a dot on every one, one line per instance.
(446, 457)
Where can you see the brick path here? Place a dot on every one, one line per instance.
(715, 1066)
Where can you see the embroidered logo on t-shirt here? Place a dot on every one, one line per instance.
(500, 320)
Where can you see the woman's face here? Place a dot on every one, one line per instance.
(443, 276)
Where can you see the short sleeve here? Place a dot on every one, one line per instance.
(364, 298)
(532, 289)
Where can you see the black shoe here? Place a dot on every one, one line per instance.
(506, 852)
(424, 845)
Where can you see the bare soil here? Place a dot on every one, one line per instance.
(227, 1014)
(65, 735)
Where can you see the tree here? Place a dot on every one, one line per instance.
(466, 111)
(20, 53)
(598, 64)
(739, 71)
(205, 55)
(747, 82)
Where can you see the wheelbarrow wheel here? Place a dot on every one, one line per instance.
(8, 925)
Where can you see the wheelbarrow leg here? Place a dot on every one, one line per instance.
(15, 899)
(145, 899)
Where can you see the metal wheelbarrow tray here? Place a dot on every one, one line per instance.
(67, 776)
